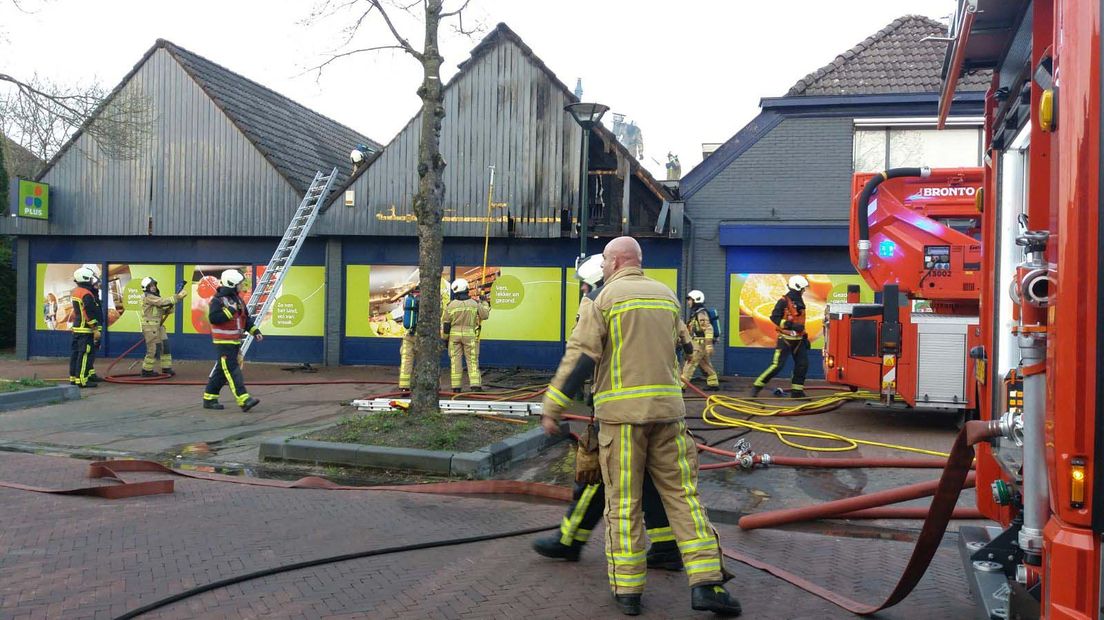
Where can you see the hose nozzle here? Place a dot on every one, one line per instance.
(864, 253)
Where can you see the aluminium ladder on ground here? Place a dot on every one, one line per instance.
(260, 302)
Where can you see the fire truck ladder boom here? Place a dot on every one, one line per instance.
(260, 302)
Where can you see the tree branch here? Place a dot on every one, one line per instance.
(398, 37)
(322, 66)
(457, 11)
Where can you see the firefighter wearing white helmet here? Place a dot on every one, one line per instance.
(155, 311)
(87, 320)
(230, 321)
(789, 319)
(461, 323)
(701, 329)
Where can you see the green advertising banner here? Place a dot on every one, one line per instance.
(666, 276)
(34, 200)
(203, 283)
(525, 301)
(374, 295)
(124, 287)
(752, 298)
(300, 305)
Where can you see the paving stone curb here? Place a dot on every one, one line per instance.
(477, 464)
(38, 396)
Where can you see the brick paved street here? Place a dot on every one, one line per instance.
(75, 557)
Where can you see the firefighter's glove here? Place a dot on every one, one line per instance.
(688, 348)
(180, 286)
(716, 340)
(587, 467)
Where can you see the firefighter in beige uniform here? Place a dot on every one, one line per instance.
(461, 323)
(626, 341)
(155, 309)
(701, 329)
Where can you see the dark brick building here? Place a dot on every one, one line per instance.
(773, 200)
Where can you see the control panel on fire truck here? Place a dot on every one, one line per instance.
(937, 259)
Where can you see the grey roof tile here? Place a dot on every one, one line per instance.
(297, 141)
(892, 60)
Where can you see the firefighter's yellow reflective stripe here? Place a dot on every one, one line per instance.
(227, 312)
(624, 469)
(241, 397)
(571, 523)
(226, 341)
(640, 391)
(207, 396)
(763, 378)
(698, 544)
(689, 491)
(660, 534)
(622, 307)
(618, 342)
(84, 374)
(797, 386)
(82, 330)
(627, 581)
(627, 557)
(558, 397)
(694, 567)
(582, 535)
(460, 332)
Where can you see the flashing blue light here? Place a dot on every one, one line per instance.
(886, 249)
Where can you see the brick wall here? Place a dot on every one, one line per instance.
(798, 172)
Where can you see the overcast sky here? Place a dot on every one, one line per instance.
(686, 71)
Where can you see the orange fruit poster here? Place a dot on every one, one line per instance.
(752, 297)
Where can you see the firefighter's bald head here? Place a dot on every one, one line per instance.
(620, 253)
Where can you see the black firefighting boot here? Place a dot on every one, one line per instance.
(551, 547)
(250, 403)
(168, 372)
(797, 393)
(213, 404)
(715, 599)
(475, 388)
(665, 555)
(629, 604)
(149, 373)
(755, 389)
(95, 379)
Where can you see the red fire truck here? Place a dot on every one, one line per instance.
(1040, 362)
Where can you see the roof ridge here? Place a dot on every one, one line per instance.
(841, 59)
(173, 48)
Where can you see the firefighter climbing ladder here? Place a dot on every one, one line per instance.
(260, 302)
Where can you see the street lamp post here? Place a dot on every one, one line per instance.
(587, 115)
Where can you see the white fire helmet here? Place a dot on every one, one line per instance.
(798, 283)
(696, 296)
(459, 285)
(589, 270)
(231, 278)
(84, 275)
(146, 282)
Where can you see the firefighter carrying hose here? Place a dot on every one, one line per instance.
(701, 329)
(789, 319)
(229, 320)
(155, 310)
(87, 317)
(626, 340)
(588, 497)
(461, 322)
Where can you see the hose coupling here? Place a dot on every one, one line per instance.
(1011, 426)
(863, 247)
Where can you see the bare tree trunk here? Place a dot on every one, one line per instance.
(428, 208)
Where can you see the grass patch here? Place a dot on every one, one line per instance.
(16, 385)
(448, 432)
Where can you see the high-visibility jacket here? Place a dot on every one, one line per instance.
(699, 324)
(464, 317)
(86, 310)
(789, 316)
(229, 317)
(626, 340)
(156, 308)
